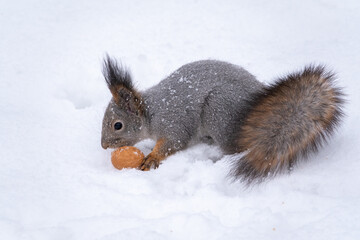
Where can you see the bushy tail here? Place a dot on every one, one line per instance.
(286, 121)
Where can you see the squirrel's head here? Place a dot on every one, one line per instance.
(123, 118)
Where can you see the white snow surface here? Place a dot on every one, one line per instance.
(56, 182)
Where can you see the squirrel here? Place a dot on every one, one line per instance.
(271, 126)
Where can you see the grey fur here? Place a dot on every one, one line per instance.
(199, 100)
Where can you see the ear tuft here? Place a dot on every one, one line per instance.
(119, 81)
(116, 75)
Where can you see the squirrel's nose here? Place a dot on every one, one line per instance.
(104, 144)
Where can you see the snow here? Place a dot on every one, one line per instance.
(56, 182)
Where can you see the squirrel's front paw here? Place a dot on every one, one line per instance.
(149, 162)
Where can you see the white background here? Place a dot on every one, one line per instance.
(56, 182)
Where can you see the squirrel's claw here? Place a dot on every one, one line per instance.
(149, 162)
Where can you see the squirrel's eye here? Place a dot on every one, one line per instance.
(118, 125)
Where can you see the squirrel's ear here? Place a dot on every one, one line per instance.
(121, 86)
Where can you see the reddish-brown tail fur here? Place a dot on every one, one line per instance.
(288, 120)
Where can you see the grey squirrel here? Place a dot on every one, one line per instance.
(273, 126)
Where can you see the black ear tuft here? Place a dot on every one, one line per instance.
(116, 75)
(121, 86)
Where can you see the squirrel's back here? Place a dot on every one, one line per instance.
(195, 80)
(203, 98)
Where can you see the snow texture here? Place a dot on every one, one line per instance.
(56, 182)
